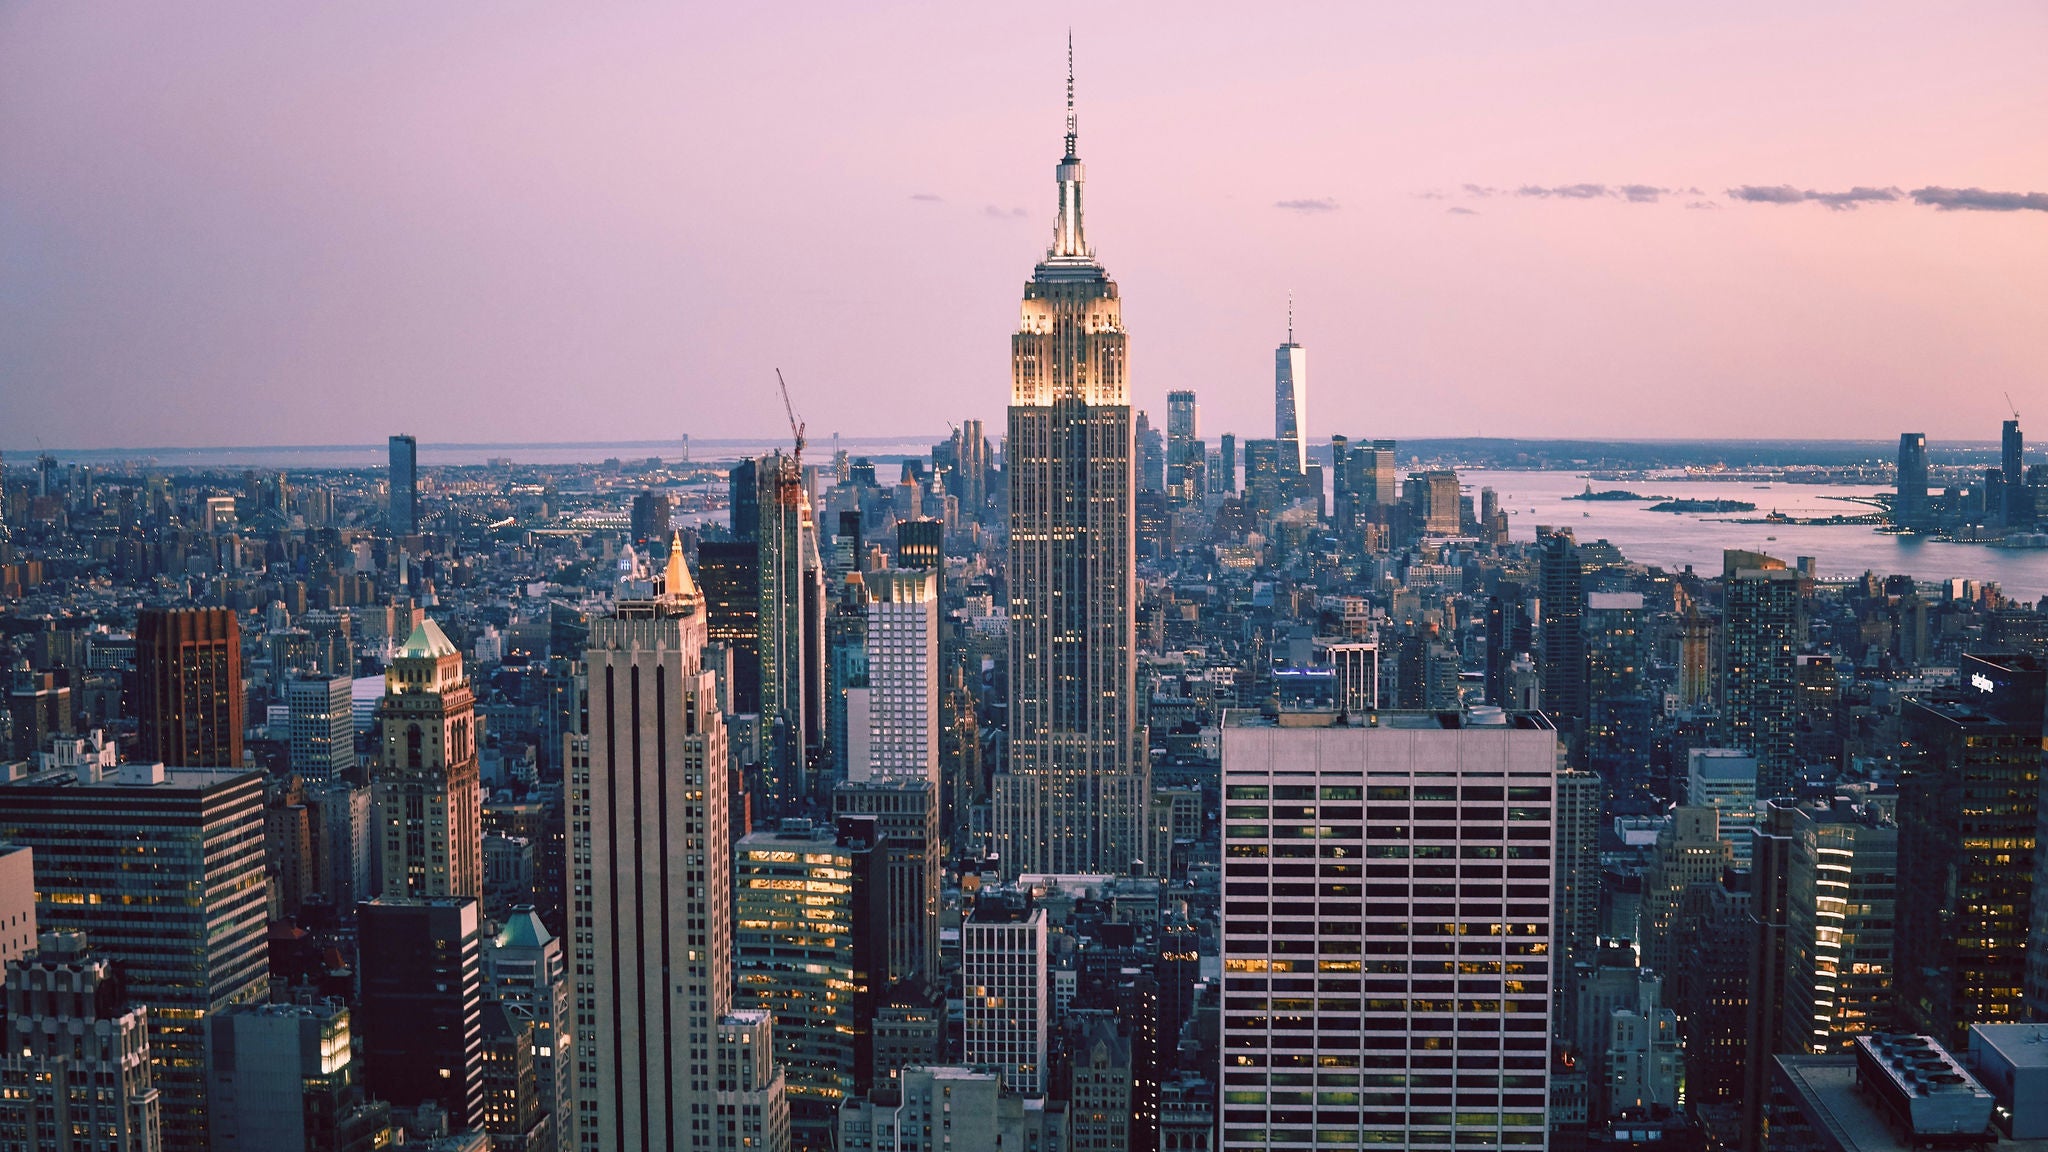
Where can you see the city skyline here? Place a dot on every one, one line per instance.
(527, 216)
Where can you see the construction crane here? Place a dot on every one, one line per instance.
(2009, 404)
(796, 426)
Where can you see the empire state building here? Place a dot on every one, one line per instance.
(1075, 796)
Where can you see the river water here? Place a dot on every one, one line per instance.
(1675, 540)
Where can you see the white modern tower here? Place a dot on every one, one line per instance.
(903, 677)
(1290, 398)
(1387, 928)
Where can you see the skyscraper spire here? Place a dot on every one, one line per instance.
(1071, 124)
(1068, 242)
(1290, 315)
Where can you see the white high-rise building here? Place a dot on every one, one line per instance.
(650, 846)
(322, 727)
(903, 677)
(1387, 928)
(1006, 994)
(1290, 398)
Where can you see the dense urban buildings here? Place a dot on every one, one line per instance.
(162, 870)
(1057, 791)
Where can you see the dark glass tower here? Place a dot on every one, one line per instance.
(404, 518)
(1909, 507)
(188, 672)
(1968, 828)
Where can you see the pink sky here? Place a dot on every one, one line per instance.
(266, 223)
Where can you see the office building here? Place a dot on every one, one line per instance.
(420, 984)
(512, 1112)
(1562, 630)
(38, 711)
(1909, 504)
(1968, 818)
(1617, 664)
(1438, 507)
(404, 516)
(1725, 779)
(651, 876)
(791, 625)
(1187, 457)
(1075, 794)
(729, 572)
(650, 518)
(743, 500)
(322, 727)
(1689, 851)
(428, 796)
(906, 812)
(1840, 899)
(1290, 399)
(1006, 992)
(921, 544)
(903, 677)
(1358, 675)
(188, 683)
(802, 948)
(162, 869)
(2017, 507)
(749, 1100)
(1759, 666)
(1575, 885)
(1387, 927)
(527, 975)
(1226, 464)
(17, 901)
(950, 1108)
(76, 1073)
(286, 1077)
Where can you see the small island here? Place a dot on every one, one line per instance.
(1612, 494)
(1703, 506)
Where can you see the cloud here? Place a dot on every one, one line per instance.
(1309, 206)
(1633, 193)
(1708, 205)
(1432, 194)
(1787, 194)
(928, 197)
(995, 213)
(1565, 191)
(1455, 210)
(1978, 200)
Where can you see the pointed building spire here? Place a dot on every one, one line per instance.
(1072, 123)
(1290, 315)
(1068, 242)
(676, 582)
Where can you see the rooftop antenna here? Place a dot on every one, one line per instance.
(1072, 132)
(1290, 315)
